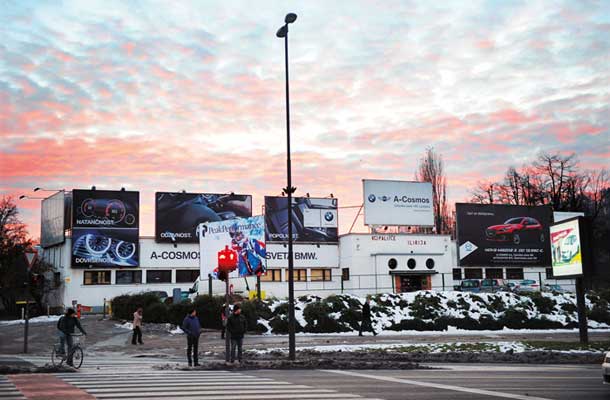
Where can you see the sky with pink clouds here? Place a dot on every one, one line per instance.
(165, 95)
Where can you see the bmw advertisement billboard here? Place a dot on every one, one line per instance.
(177, 215)
(397, 203)
(314, 220)
(105, 228)
(503, 235)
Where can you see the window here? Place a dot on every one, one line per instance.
(158, 276)
(125, 277)
(473, 273)
(345, 274)
(493, 273)
(321, 274)
(97, 278)
(411, 263)
(514, 273)
(56, 279)
(298, 274)
(430, 263)
(272, 275)
(549, 273)
(186, 275)
(457, 274)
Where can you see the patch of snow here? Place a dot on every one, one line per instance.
(35, 320)
(176, 331)
(126, 325)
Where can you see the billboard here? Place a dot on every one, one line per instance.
(314, 220)
(246, 237)
(566, 249)
(177, 215)
(52, 220)
(397, 203)
(504, 235)
(105, 228)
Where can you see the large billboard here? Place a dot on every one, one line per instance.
(314, 220)
(52, 220)
(177, 215)
(397, 203)
(503, 235)
(566, 249)
(105, 228)
(245, 237)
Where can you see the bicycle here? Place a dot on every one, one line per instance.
(59, 356)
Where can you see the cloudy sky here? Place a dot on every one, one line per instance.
(165, 96)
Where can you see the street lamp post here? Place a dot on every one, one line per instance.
(289, 190)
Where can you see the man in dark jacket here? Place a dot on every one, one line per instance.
(366, 318)
(192, 327)
(65, 326)
(236, 327)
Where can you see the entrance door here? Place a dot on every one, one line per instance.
(411, 283)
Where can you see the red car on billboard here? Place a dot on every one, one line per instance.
(516, 230)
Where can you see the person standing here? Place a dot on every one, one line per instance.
(366, 318)
(192, 327)
(65, 326)
(237, 327)
(137, 326)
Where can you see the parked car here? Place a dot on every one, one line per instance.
(553, 288)
(516, 230)
(494, 285)
(606, 369)
(527, 285)
(160, 294)
(469, 285)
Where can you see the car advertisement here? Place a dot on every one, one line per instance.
(566, 248)
(507, 235)
(242, 238)
(105, 228)
(52, 220)
(314, 220)
(397, 203)
(105, 247)
(177, 215)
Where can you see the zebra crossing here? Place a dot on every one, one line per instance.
(111, 362)
(8, 391)
(193, 384)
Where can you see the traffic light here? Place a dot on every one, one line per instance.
(227, 262)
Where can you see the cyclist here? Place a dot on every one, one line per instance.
(65, 326)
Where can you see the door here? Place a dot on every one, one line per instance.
(410, 283)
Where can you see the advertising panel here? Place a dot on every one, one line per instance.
(566, 249)
(304, 256)
(493, 234)
(105, 228)
(52, 220)
(153, 254)
(397, 203)
(314, 220)
(177, 215)
(245, 237)
(105, 247)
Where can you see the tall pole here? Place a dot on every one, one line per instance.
(291, 318)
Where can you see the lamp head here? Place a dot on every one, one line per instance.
(290, 18)
(36, 189)
(282, 32)
(23, 196)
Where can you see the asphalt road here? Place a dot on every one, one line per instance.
(463, 381)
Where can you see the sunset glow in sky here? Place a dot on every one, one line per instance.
(171, 95)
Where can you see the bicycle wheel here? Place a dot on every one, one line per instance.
(56, 358)
(77, 357)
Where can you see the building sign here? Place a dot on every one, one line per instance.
(503, 235)
(566, 249)
(398, 203)
(105, 228)
(52, 220)
(163, 255)
(246, 237)
(177, 215)
(304, 256)
(314, 220)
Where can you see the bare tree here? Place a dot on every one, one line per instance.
(485, 193)
(431, 170)
(555, 171)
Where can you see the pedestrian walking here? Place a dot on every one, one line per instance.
(137, 326)
(223, 318)
(192, 327)
(366, 323)
(237, 327)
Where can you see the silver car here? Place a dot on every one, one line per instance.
(606, 369)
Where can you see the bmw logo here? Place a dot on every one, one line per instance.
(328, 216)
(385, 198)
(372, 198)
(468, 246)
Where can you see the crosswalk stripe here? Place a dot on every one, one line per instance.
(8, 391)
(179, 395)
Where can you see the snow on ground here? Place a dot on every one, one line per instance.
(35, 320)
(176, 331)
(126, 325)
